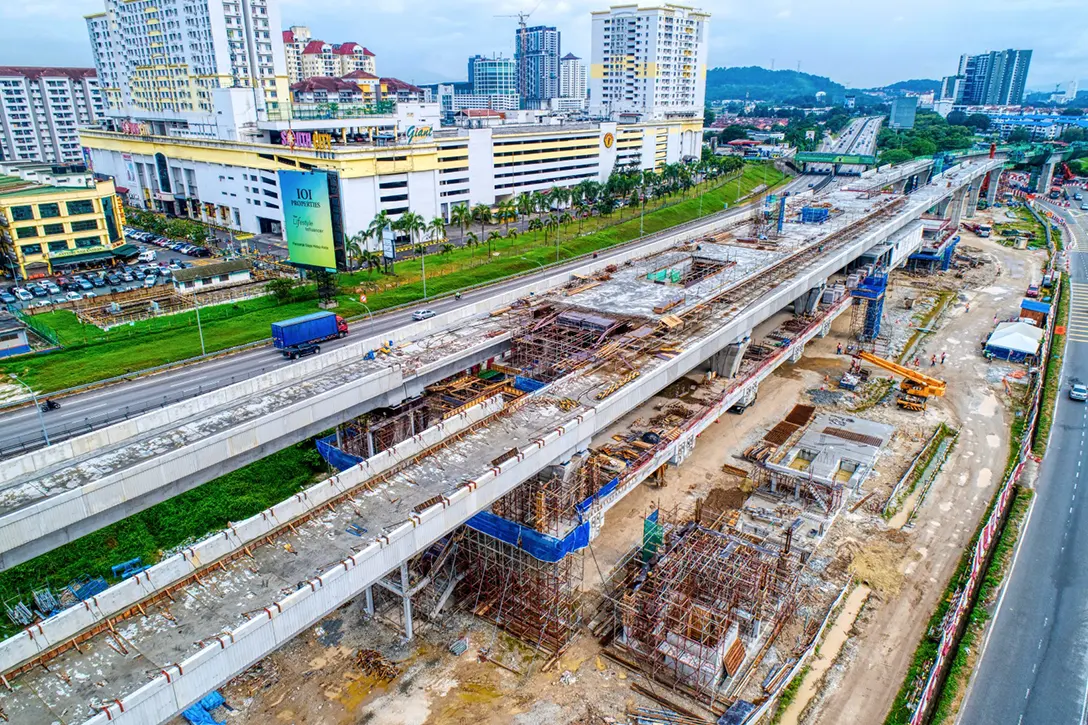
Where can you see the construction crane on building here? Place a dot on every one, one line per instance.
(520, 50)
(915, 388)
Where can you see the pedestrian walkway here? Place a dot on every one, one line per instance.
(1078, 312)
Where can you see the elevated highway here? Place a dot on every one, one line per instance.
(240, 600)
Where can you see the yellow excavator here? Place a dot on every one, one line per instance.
(915, 389)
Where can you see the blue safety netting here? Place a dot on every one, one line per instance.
(537, 545)
(200, 713)
(527, 385)
(334, 456)
(604, 491)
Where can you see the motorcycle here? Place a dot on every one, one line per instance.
(49, 405)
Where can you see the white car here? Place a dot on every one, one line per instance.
(73, 297)
(22, 294)
(423, 314)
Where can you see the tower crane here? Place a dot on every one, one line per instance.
(915, 389)
(522, 16)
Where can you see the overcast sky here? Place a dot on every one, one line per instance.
(859, 45)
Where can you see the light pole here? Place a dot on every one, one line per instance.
(34, 397)
(534, 262)
(423, 262)
(370, 315)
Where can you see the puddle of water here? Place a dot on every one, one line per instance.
(834, 639)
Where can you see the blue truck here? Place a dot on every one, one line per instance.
(307, 329)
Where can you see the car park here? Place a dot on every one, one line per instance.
(85, 285)
(22, 294)
(7, 298)
(37, 291)
(51, 288)
(73, 296)
(113, 279)
(149, 281)
(45, 303)
(126, 276)
(98, 281)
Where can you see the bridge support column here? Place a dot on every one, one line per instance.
(806, 304)
(825, 329)
(957, 207)
(1046, 178)
(972, 198)
(369, 606)
(726, 362)
(993, 181)
(406, 594)
(797, 353)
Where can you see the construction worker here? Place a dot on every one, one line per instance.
(838, 349)
(933, 361)
(943, 356)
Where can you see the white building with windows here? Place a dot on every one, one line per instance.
(648, 63)
(181, 65)
(572, 77)
(306, 57)
(41, 110)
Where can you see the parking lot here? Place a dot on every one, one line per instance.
(159, 258)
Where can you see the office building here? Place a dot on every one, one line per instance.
(54, 219)
(997, 78)
(904, 110)
(493, 76)
(307, 58)
(536, 51)
(189, 68)
(952, 88)
(572, 77)
(648, 63)
(41, 110)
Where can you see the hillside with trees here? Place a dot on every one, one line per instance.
(915, 85)
(773, 86)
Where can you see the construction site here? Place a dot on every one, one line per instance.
(722, 458)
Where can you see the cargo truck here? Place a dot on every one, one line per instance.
(307, 329)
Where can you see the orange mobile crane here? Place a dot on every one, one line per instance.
(915, 389)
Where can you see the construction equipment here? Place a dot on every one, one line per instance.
(915, 389)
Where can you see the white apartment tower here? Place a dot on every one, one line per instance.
(307, 58)
(572, 77)
(649, 63)
(41, 110)
(166, 63)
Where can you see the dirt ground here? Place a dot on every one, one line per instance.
(315, 679)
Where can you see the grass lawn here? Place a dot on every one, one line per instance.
(92, 354)
(1024, 222)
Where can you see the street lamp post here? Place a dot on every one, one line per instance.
(534, 262)
(370, 315)
(34, 397)
(423, 262)
(199, 329)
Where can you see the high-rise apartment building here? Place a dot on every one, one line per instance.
(997, 78)
(308, 58)
(536, 51)
(41, 110)
(160, 62)
(572, 77)
(649, 63)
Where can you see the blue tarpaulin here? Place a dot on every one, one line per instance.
(537, 545)
(200, 713)
(527, 385)
(334, 456)
(605, 490)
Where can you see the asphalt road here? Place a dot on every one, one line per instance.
(1034, 664)
(21, 429)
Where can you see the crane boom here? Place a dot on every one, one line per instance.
(924, 385)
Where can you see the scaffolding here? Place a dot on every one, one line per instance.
(693, 604)
(536, 601)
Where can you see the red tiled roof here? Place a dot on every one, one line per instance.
(346, 48)
(314, 46)
(324, 83)
(395, 84)
(36, 72)
(361, 75)
(366, 51)
(288, 36)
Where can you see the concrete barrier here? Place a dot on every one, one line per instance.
(54, 631)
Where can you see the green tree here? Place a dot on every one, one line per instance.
(411, 224)
(1072, 134)
(472, 241)
(437, 229)
(979, 121)
(461, 216)
(922, 147)
(282, 288)
(708, 117)
(1019, 135)
(492, 236)
(895, 156)
(481, 214)
(1072, 111)
(957, 118)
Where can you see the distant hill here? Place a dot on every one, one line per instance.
(916, 85)
(774, 86)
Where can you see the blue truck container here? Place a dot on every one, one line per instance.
(308, 328)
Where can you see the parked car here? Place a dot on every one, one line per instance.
(73, 296)
(22, 294)
(174, 266)
(89, 295)
(294, 352)
(45, 303)
(113, 279)
(37, 291)
(149, 280)
(126, 276)
(423, 314)
(61, 281)
(85, 285)
(51, 288)
(7, 298)
(98, 281)
(147, 255)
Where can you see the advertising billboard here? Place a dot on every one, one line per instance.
(307, 216)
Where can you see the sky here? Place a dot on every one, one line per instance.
(858, 45)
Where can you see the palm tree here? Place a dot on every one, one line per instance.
(378, 225)
(492, 236)
(540, 202)
(355, 247)
(525, 204)
(461, 215)
(437, 229)
(447, 248)
(472, 241)
(582, 210)
(412, 224)
(481, 213)
(372, 260)
(508, 212)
